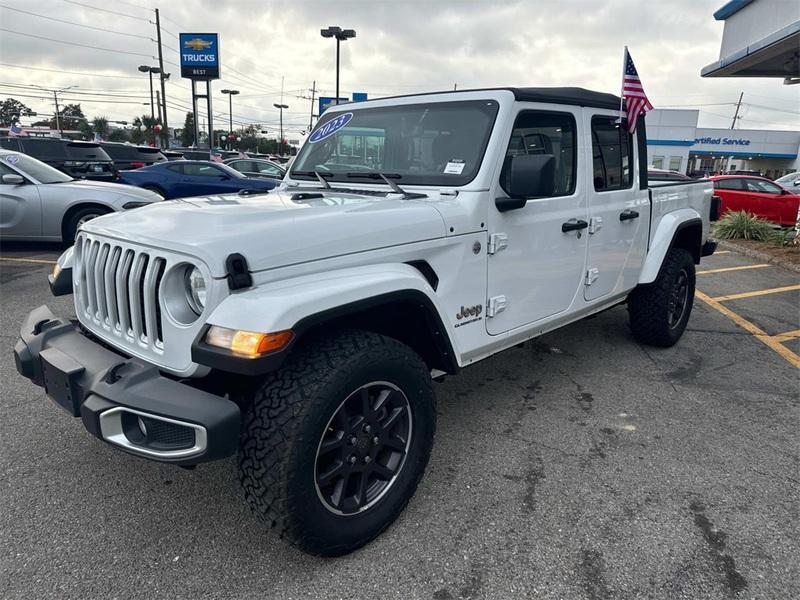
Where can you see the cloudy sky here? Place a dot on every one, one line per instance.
(402, 46)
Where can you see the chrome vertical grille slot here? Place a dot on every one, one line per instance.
(119, 289)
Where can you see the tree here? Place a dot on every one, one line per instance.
(100, 126)
(118, 135)
(10, 111)
(187, 133)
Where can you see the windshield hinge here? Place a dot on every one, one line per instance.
(497, 242)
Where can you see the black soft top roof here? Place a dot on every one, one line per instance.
(567, 95)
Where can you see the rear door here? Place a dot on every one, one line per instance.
(20, 207)
(733, 194)
(618, 209)
(536, 269)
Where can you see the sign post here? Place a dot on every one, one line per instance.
(200, 62)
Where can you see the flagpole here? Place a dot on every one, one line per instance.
(622, 82)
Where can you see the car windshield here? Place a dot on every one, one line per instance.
(438, 143)
(36, 169)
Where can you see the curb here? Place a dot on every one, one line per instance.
(763, 256)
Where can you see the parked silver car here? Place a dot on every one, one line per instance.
(38, 202)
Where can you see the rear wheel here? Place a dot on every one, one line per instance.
(334, 444)
(660, 311)
(78, 218)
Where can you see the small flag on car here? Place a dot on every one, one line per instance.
(16, 130)
(636, 102)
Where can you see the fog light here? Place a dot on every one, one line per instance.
(248, 343)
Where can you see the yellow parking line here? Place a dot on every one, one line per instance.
(777, 290)
(28, 260)
(789, 335)
(722, 252)
(726, 269)
(759, 334)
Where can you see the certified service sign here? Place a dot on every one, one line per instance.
(199, 55)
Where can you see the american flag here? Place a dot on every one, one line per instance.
(16, 130)
(636, 102)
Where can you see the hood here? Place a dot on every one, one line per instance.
(277, 229)
(86, 188)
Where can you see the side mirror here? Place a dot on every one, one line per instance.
(529, 176)
(13, 179)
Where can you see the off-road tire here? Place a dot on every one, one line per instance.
(287, 416)
(649, 307)
(71, 226)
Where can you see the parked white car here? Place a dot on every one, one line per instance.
(301, 328)
(38, 202)
(792, 179)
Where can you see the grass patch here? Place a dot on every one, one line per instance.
(742, 225)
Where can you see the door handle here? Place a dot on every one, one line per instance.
(627, 215)
(574, 225)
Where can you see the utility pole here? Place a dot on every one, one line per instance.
(311, 118)
(58, 123)
(733, 126)
(736, 114)
(162, 76)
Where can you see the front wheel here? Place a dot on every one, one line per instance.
(78, 218)
(334, 444)
(660, 311)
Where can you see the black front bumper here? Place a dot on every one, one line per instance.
(109, 392)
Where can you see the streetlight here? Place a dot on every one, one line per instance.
(340, 35)
(231, 94)
(151, 70)
(280, 107)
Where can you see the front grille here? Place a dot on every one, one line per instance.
(119, 290)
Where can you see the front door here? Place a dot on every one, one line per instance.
(20, 207)
(536, 269)
(766, 200)
(619, 212)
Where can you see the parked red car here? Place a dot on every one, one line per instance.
(757, 195)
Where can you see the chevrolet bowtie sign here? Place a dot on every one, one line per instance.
(199, 55)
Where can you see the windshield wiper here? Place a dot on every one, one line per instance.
(387, 178)
(321, 175)
(373, 175)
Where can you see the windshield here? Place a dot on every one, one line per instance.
(36, 169)
(438, 143)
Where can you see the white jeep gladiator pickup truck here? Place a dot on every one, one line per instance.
(300, 328)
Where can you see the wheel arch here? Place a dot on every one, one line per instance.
(392, 300)
(679, 229)
(77, 206)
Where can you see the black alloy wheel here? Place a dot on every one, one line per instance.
(678, 299)
(363, 448)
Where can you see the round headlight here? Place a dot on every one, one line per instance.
(195, 289)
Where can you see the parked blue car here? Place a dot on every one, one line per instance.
(184, 178)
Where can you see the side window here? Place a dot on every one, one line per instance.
(177, 169)
(200, 170)
(729, 184)
(545, 133)
(611, 147)
(763, 187)
(45, 149)
(269, 170)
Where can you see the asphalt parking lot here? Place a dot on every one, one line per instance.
(579, 466)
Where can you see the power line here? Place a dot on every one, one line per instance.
(113, 12)
(144, 37)
(39, 37)
(70, 72)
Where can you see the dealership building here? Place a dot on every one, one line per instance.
(675, 142)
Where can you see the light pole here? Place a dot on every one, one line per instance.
(151, 70)
(340, 35)
(231, 94)
(280, 107)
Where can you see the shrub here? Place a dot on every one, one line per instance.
(744, 226)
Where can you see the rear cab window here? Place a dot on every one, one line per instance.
(611, 154)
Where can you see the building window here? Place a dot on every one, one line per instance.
(658, 162)
(675, 163)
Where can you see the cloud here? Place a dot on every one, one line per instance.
(401, 47)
